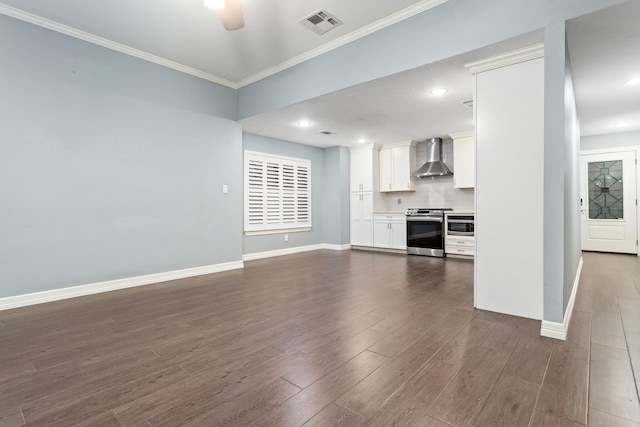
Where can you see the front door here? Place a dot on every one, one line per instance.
(608, 208)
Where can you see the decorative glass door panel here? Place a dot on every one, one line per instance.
(606, 199)
(608, 202)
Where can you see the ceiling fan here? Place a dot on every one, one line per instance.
(229, 11)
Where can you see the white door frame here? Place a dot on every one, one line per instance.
(635, 148)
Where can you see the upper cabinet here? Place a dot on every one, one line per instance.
(464, 159)
(397, 162)
(364, 167)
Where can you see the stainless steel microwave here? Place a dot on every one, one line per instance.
(460, 225)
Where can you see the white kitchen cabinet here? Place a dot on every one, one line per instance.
(390, 231)
(464, 159)
(456, 245)
(364, 167)
(362, 218)
(463, 246)
(364, 185)
(399, 233)
(397, 162)
(385, 169)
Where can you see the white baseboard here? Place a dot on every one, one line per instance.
(333, 247)
(553, 330)
(7, 303)
(280, 252)
(294, 250)
(559, 330)
(17, 301)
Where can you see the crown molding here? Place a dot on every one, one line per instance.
(109, 44)
(461, 135)
(505, 59)
(347, 38)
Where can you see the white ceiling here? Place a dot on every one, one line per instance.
(387, 110)
(604, 49)
(191, 35)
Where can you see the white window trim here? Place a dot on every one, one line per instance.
(277, 194)
(278, 231)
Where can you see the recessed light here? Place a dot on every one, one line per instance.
(304, 123)
(619, 125)
(634, 82)
(214, 4)
(361, 140)
(438, 91)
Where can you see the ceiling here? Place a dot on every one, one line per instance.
(189, 35)
(604, 48)
(396, 108)
(183, 34)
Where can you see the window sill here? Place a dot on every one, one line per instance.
(278, 231)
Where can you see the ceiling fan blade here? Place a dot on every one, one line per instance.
(231, 15)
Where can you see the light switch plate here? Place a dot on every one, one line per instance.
(225, 188)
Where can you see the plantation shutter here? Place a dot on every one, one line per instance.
(277, 193)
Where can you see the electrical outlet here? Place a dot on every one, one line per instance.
(225, 188)
(399, 201)
(286, 237)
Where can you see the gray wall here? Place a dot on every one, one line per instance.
(562, 238)
(89, 138)
(450, 29)
(613, 140)
(572, 220)
(336, 200)
(554, 177)
(110, 167)
(271, 242)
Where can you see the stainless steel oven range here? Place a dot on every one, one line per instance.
(425, 233)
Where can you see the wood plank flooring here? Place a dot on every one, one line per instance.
(324, 338)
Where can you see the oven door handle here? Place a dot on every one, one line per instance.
(460, 221)
(424, 219)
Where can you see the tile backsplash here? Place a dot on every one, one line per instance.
(433, 192)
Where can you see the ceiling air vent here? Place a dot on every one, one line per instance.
(468, 103)
(321, 22)
(326, 132)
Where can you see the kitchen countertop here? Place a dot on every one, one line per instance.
(389, 212)
(459, 213)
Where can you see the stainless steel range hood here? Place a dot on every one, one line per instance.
(434, 165)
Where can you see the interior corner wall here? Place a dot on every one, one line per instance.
(572, 220)
(336, 199)
(554, 174)
(110, 167)
(272, 242)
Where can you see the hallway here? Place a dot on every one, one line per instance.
(606, 320)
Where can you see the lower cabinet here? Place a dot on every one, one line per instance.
(460, 245)
(362, 218)
(390, 231)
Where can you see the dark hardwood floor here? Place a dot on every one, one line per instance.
(324, 338)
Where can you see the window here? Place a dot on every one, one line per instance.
(277, 193)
